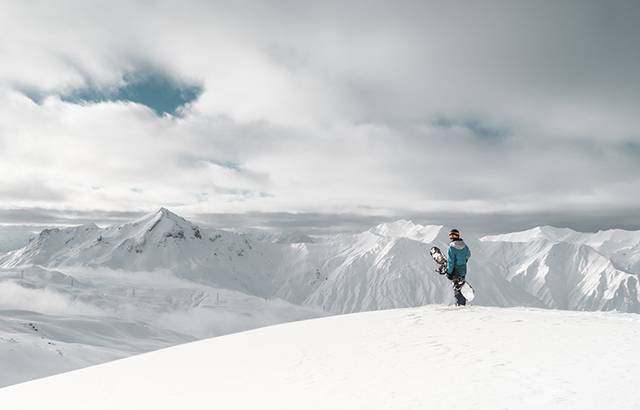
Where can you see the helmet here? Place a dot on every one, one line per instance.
(454, 234)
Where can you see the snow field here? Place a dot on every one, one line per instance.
(51, 322)
(98, 294)
(432, 357)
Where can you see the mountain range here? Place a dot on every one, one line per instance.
(83, 295)
(386, 266)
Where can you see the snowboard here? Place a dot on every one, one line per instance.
(439, 258)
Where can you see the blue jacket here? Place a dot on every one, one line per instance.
(457, 256)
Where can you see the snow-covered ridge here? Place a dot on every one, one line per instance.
(407, 229)
(161, 240)
(180, 281)
(553, 234)
(397, 359)
(621, 247)
(534, 234)
(319, 272)
(386, 266)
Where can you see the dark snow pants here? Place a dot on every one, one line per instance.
(460, 299)
(458, 281)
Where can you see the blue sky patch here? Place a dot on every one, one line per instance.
(160, 92)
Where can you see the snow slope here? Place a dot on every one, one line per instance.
(571, 270)
(52, 321)
(162, 280)
(15, 236)
(387, 266)
(383, 267)
(622, 247)
(432, 357)
(161, 240)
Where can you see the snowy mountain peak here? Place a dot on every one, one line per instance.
(550, 233)
(164, 223)
(163, 214)
(407, 229)
(87, 227)
(114, 246)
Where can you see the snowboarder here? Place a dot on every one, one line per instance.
(458, 255)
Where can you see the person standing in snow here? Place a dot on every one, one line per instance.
(458, 255)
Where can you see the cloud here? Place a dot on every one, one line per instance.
(336, 108)
(31, 189)
(43, 300)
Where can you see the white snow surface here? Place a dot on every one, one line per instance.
(622, 247)
(434, 357)
(15, 236)
(387, 266)
(51, 322)
(74, 297)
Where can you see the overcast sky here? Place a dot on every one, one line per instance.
(464, 110)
